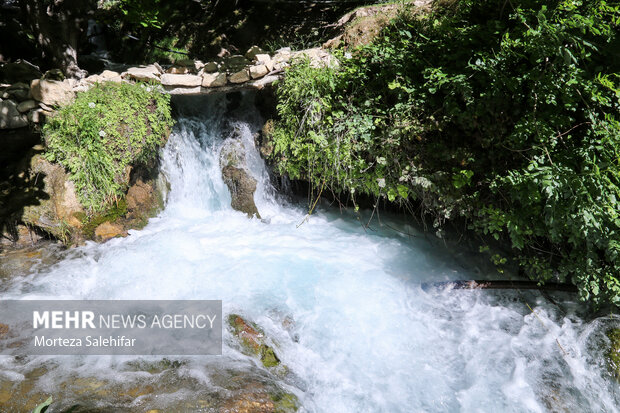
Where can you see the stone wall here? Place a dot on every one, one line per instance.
(29, 101)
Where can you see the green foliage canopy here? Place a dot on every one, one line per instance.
(501, 113)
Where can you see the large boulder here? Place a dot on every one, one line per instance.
(59, 212)
(252, 340)
(51, 92)
(10, 117)
(236, 176)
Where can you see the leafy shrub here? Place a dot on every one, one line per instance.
(105, 131)
(501, 113)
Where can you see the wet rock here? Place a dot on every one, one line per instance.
(19, 236)
(229, 390)
(242, 187)
(19, 71)
(109, 230)
(145, 198)
(258, 71)
(139, 196)
(252, 340)
(214, 79)
(239, 77)
(265, 140)
(10, 117)
(181, 80)
(613, 355)
(51, 92)
(58, 214)
(23, 256)
(239, 181)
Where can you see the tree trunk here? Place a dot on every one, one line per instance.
(57, 26)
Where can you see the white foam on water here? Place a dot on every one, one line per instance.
(364, 336)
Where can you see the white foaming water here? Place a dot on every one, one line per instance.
(364, 337)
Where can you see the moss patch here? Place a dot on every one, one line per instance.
(614, 351)
(252, 340)
(113, 213)
(285, 403)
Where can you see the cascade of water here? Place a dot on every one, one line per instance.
(343, 305)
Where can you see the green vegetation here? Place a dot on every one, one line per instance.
(105, 132)
(504, 114)
(285, 402)
(111, 214)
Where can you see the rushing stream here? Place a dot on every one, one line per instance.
(344, 305)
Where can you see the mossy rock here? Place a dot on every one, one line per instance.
(252, 341)
(120, 126)
(285, 403)
(613, 355)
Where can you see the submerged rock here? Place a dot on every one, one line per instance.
(153, 385)
(239, 181)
